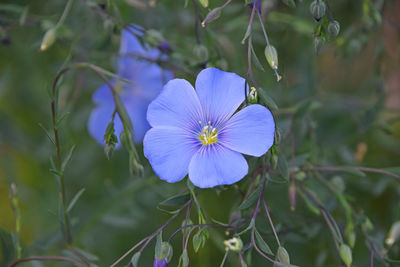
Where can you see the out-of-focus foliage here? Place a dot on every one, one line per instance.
(337, 108)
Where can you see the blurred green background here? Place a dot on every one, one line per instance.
(344, 102)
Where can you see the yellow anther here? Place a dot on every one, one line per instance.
(208, 135)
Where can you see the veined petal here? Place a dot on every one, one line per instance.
(169, 150)
(99, 120)
(216, 165)
(250, 131)
(177, 105)
(220, 93)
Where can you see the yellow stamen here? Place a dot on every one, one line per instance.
(208, 134)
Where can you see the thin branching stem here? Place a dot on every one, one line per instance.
(47, 258)
(150, 237)
(270, 222)
(338, 168)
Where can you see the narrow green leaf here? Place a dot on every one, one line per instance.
(252, 198)
(283, 166)
(256, 61)
(75, 199)
(48, 134)
(262, 244)
(61, 119)
(176, 200)
(247, 34)
(67, 158)
(267, 100)
(251, 224)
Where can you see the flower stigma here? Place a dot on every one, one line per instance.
(208, 134)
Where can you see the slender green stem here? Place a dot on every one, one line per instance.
(47, 258)
(224, 259)
(364, 169)
(65, 13)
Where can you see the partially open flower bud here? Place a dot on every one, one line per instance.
(211, 16)
(49, 38)
(272, 57)
(166, 251)
(346, 254)
(317, 9)
(334, 28)
(394, 234)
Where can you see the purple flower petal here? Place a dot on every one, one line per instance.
(220, 93)
(99, 119)
(177, 105)
(169, 150)
(250, 131)
(216, 165)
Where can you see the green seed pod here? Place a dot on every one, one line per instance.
(394, 234)
(200, 52)
(49, 38)
(334, 28)
(346, 254)
(317, 9)
(154, 37)
(272, 56)
(211, 16)
(282, 255)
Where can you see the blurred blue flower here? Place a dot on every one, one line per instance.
(197, 132)
(147, 80)
(160, 263)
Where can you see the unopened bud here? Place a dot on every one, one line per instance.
(292, 196)
(394, 234)
(317, 9)
(211, 16)
(282, 255)
(204, 3)
(334, 28)
(159, 263)
(235, 244)
(200, 52)
(49, 38)
(154, 37)
(351, 238)
(346, 254)
(338, 183)
(272, 57)
(253, 96)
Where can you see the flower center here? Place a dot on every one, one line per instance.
(208, 134)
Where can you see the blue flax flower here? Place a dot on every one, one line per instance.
(147, 80)
(197, 132)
